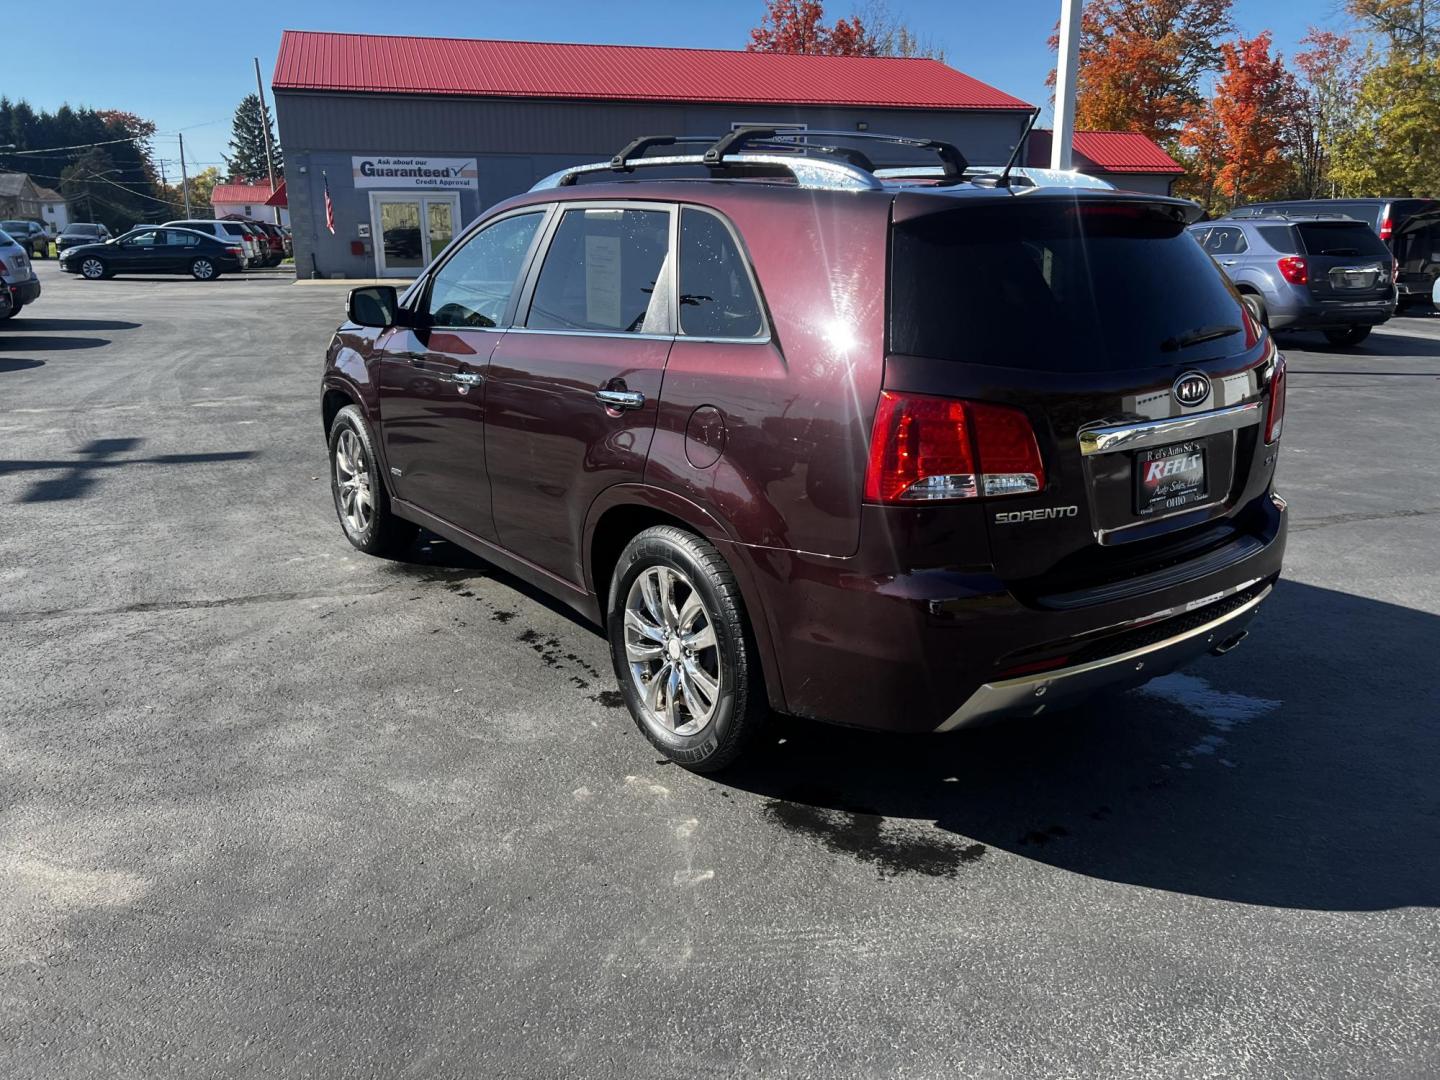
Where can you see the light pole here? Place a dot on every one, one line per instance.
(1066, 71)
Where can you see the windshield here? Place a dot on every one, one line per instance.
(1058, 287)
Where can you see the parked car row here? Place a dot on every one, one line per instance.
(1339, 266)
(204, 255)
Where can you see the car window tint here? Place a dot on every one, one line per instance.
(473, 288)
(601, 270)
(233, 228)
(142, 239)
(1279, 237)
(716, 297)
(1342, 239)
(1051, 287)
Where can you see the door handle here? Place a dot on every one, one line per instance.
(1228, 262)
(620, 399)
(467, 378)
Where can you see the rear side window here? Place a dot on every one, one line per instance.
(601, 273)
(716, 297)
(473, 287)
(1280, 237)
(234, 229)
(1073, 286)
(1357, 239)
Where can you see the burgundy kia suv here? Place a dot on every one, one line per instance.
(904, 448)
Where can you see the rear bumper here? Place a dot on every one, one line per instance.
(863, 642)
(24, 292)
(1324, 314)
(1032, 695)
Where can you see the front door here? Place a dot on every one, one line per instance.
(410, 230)
(572, 395)
(433, 375)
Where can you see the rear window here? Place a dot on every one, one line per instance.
(1341, 239)
(1058, 287)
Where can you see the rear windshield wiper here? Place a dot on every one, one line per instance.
(1197, 337)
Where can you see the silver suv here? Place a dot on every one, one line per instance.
(1331, 274)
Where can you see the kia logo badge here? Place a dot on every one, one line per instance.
(1192, 388)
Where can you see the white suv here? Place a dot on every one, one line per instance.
(229, 232)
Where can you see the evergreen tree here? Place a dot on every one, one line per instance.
(246, 160)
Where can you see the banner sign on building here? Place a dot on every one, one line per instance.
(416, 172)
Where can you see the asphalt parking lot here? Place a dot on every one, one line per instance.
(271, 808)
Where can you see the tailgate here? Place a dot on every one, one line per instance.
(1347, 261)
(1142, 376)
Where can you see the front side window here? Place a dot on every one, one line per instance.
(716, 297)
(474, 286)
(602, 273)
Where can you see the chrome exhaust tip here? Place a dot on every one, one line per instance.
(1229, 643)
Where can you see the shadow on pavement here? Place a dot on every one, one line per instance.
(79, 474)
(19, 365)
(25, 322)
(1408, 345)
(1304, 777)
(50, 344)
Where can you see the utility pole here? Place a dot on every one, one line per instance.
(184, 179)
(1066, 74)
(265, 118)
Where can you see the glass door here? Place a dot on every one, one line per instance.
(410, 230)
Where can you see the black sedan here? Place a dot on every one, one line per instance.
(154, 251)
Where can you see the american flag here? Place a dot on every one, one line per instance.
(329, 206)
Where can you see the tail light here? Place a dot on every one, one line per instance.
(237, 252)
(1387, 226)
(1276, 420)
(927, 449)
(1294, 269)
(4, 269)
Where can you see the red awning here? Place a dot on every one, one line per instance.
(278, 199)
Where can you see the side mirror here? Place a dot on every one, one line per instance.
(374, 305)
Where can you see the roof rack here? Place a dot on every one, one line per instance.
(755, 148)
(1242, 213)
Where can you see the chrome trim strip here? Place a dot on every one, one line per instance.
(808, 172)
(1031, 691)
(590, 333)
(1147, 433)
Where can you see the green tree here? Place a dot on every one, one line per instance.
(246, 160)
(1394, 146)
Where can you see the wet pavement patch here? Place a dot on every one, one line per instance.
(861, 835)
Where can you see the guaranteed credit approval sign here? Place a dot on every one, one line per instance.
(401, 173)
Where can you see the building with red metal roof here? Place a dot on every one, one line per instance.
(414, 137)
(1127, 159)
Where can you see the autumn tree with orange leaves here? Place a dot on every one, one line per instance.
(1141, 62)
(1240, 142)
(798, 26)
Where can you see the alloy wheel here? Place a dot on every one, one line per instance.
(352, 483)
(93, 269)
(671, 650)
(203, 269)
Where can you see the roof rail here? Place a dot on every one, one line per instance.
(753, 147)
(990, 175)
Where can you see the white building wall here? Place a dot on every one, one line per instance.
(255, 211)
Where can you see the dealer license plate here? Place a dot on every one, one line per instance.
(1169, 478)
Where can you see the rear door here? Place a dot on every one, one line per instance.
(1346, 262)
(1121, 341)
(573, 393)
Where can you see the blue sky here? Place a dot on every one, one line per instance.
(187, 66)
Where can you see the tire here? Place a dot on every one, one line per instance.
(1257, 308)
(1347, 336)
(93, 269)
(699, 708)
(355, 481)
(204, 269)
